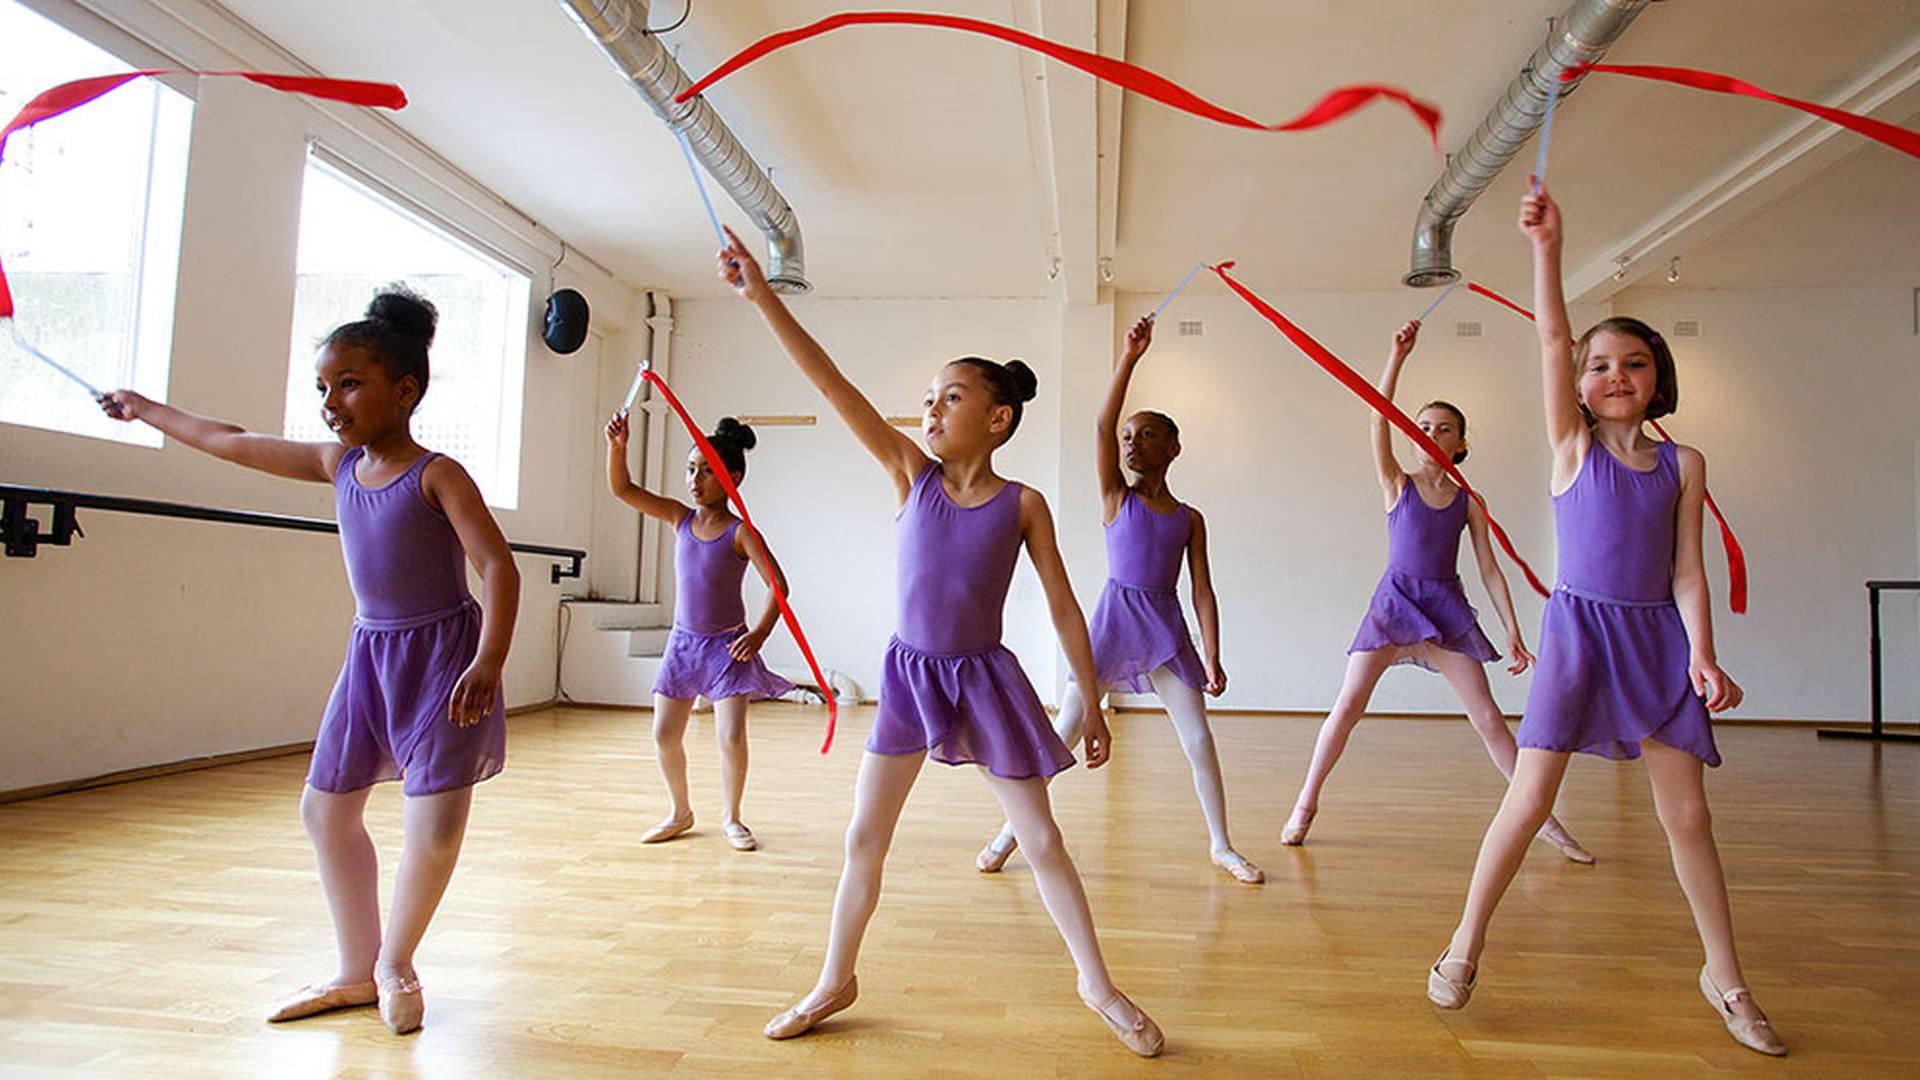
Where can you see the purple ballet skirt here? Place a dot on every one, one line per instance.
(947, 685)
(1138, 626)
(1613, 656)
(1419, 600)
(708, 616)
(415, 634)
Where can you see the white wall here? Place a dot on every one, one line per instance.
(154, 641)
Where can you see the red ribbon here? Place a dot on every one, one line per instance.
(720, 473)
(1332, 106)
(1736, 555)
(71, 95)
(1365, 390)
(1901, 139)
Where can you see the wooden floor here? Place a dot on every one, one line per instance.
(144, 927)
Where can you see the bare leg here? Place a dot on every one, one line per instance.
(878, 797)
(1680, 797)
(350, 876)
(670, 717)
(1070, 723)
(1363, 673)
(1529, 799)
(730, 728)
(1468, 677)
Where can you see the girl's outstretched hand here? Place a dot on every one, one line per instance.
(1098, 741)
(1714, 686)
(473, 695)
(123, 404)
(746, 646)
(1540, 219)
(741, 270)
(1405, 338)
(1520, 656)
(617, 431)
(1139, 338)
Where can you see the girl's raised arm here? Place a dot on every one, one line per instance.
(1106, 435)
(1566, 428)
(897, 453)
(620, 480)
(230, 442)
(1384, 463)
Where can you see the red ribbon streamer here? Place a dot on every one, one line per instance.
(1736, 555)
(1335, 104)
(720, 473)
(71, 95)
(1365, 390)
(1902, 139)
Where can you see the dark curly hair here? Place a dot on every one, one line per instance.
(397, 331)
(1012, 383)
(732, 439)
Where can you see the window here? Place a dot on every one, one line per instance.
(90, 210)
(353, 242)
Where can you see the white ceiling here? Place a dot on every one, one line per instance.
(917, 161)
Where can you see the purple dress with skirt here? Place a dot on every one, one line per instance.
(1613, 652)
(1138, 626)
(416, 630)
(1419, 599)
(708, 616)
(947, 684)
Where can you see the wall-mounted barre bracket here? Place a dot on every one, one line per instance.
(22, 536)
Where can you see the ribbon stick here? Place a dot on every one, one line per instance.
(72, 95)
(1546, 134)
(52, 363)
(1365, 390)
(1438, 300)
(721, 474)
(706, 200)
(1902, 139)
(633, 390)
(1332, 106)
(1736, 555)
(1162, 306)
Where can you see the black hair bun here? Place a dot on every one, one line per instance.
(1025, 382)
(407, 312)
(735, 433)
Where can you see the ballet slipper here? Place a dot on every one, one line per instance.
(739, 836)
(799, 1021)
(314, 1000)
(667, 830)
(1134, 1028)
(402, 1005)
(1561, 839)
(1298, 823)
(996, 853)
(1446, 991)
(1239, 867)
(1752, 1033)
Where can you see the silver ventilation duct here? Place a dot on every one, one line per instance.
(1581, 36)
(618, 27)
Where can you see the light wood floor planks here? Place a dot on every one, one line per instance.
(144, 927)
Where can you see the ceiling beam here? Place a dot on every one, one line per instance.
(1063, 132)
(1765, 172)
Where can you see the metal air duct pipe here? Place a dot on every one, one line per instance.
(1581, 36)
(618, 27)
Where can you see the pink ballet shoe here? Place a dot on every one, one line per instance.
(1446, 991)
(1566, 844)
(1134, 1028)
(1298, 823)
(799, 1021)
(667, 830)
(314, 1000)
(996, 853)
(1752, 1033)
(739, 836)
(1239, 867)
(402, 1005)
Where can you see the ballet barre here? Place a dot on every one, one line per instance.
(1878, 731)
(23, 537)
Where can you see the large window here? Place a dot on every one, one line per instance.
(90, 209)
(353, 242)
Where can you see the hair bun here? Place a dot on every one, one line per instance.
(731, 430)
(406, 311)
(1024, 380)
